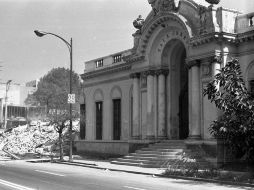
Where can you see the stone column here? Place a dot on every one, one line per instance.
(155, 100)
(150, 132)
(216, 65)
(162, 133)
(136, 106)
(195, 132)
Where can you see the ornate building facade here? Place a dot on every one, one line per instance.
(153, 91)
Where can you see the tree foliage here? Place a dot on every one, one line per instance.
(53, 90)
(236, 125)
(54, 87)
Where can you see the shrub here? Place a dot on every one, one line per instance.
(236, 125)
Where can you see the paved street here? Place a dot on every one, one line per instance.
(20, 175)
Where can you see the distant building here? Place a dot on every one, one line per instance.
(17, 93)
(16, 97)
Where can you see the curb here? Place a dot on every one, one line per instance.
(88, 165)
(158, 175)
(82, 164)
(209, 180)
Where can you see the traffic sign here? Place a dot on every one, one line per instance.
(71, 98)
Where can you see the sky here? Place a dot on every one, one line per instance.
(97, 27)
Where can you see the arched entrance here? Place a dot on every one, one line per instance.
(174, 55)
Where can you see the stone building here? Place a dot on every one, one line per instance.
(153, 92)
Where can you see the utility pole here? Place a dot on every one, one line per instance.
(6, 98)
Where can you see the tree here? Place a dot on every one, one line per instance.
(52, 92)
(54, 87)
(236, 125)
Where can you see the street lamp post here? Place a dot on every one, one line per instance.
(69, 45)
(6, 98)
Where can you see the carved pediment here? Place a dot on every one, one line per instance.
(163, 5)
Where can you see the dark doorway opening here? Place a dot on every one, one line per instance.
(82, 121)
(116, 119)
(183, 100)
(98, 106)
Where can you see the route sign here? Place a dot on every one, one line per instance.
(71, 98)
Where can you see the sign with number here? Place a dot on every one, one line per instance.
(71, 98)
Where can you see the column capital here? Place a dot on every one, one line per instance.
(191, 63)
(162, 72)
(217, 58)
(148, 72)
(134, 75)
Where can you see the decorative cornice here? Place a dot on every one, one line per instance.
(222, 36)
(106, 81)
(245, 37)
(106, 70)
(133, 59)
(202, 39)
(204, 60)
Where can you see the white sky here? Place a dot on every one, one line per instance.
(98, 28)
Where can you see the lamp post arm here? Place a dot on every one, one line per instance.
(66, 42)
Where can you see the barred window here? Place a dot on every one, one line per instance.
(117, 58)
(99, 63)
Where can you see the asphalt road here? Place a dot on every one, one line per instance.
(20, 175)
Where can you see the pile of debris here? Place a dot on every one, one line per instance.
(40, 138)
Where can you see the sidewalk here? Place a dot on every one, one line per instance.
(156, 172)
(105, 165)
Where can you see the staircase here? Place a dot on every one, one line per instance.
(155, 155)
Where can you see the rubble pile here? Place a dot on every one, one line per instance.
(39, 138)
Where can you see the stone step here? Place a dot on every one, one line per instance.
(146, 161)
(170, 143)
(142, 162)
(166, 146)
(136, 164)
(160, 150)
(139, 157)
(162, 154)
(156, 154)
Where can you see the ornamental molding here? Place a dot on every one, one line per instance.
(159, 21)
(205, 63)
(164, 5)
(173, 34)
(245, 37)
(105, 81)
(222, 37)
(106, 71)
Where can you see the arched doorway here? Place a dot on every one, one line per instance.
(174, 55)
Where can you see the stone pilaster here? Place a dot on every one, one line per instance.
(195, 129)
(162, 133)
(136, 106)
(155, 100)
(150, 105)
(216, 65)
